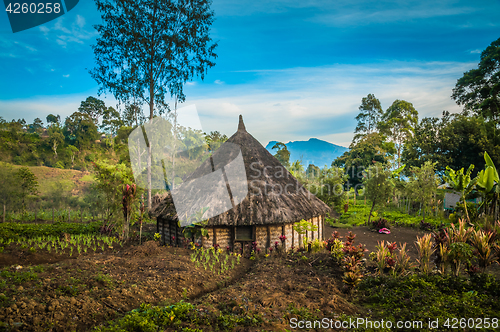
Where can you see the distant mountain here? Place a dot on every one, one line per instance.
(314, 151)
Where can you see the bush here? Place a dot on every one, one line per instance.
(380, 223)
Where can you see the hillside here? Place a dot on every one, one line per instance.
(54, 179)
(314, 151)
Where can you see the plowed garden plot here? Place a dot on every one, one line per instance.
(76, 294)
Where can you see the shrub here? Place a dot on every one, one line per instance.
(425, 250)
(380, 223)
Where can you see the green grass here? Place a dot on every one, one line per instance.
(358, 215)
(180, 316)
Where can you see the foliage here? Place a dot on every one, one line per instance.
(423, 184)
(80, 130)
(109, 182)
(148, 50)
(370, 112)
(423, 298)
(215, 260)
(483, 248)
(129, 196)
(27, 184)
(196, 226)
(214, 140)
(371, 148)
(283, 155)
(377, 185)
(327, 184)
(15, 231)
(461, 182)
(478, 89)
(425, 250)
(180, 316)
(398, 123)
(454, 140)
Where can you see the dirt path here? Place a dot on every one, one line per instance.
(371, 238)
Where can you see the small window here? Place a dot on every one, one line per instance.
(244, 233)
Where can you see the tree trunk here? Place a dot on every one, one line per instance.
(466, 212)
(151, 112)
(371, 210)
(423, 212)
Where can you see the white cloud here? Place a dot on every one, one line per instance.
(218, 82)
(300, 103)
(67, 75)
(64, 33)
(476, 51)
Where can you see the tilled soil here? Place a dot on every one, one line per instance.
(79, 293)
(76, 294)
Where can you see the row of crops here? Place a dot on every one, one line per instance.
(70, 244)
(60, 238)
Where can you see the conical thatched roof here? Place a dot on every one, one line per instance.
(274, 195)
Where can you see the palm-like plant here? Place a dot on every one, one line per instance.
(484, 252)
(462, 183)
(488, 182)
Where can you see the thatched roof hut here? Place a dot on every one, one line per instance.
(275, 200)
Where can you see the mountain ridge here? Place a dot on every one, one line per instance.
(313, 151)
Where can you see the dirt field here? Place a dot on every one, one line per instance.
(71, 293)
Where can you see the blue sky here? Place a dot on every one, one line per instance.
(294, 69)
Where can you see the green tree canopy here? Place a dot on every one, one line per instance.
(147, 50)
(80, 130)
(27, 184)
(53, 119)
(454, 140)
(370, 113)
(423, 184)
(56, 138)
(93, 107)
(111, 121)
(133, 115)
(479, 89)
(36, 126)
(398, 123)
(215, 140)
(368, 150)
(283, 155)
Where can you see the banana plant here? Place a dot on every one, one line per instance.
(461, 182)
(488, 182)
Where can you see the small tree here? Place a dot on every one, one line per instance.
(72, 150)
(378, 187)
(302, 227)
(109, 181)
(27, 184)
(56, 138)
(423, 184)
